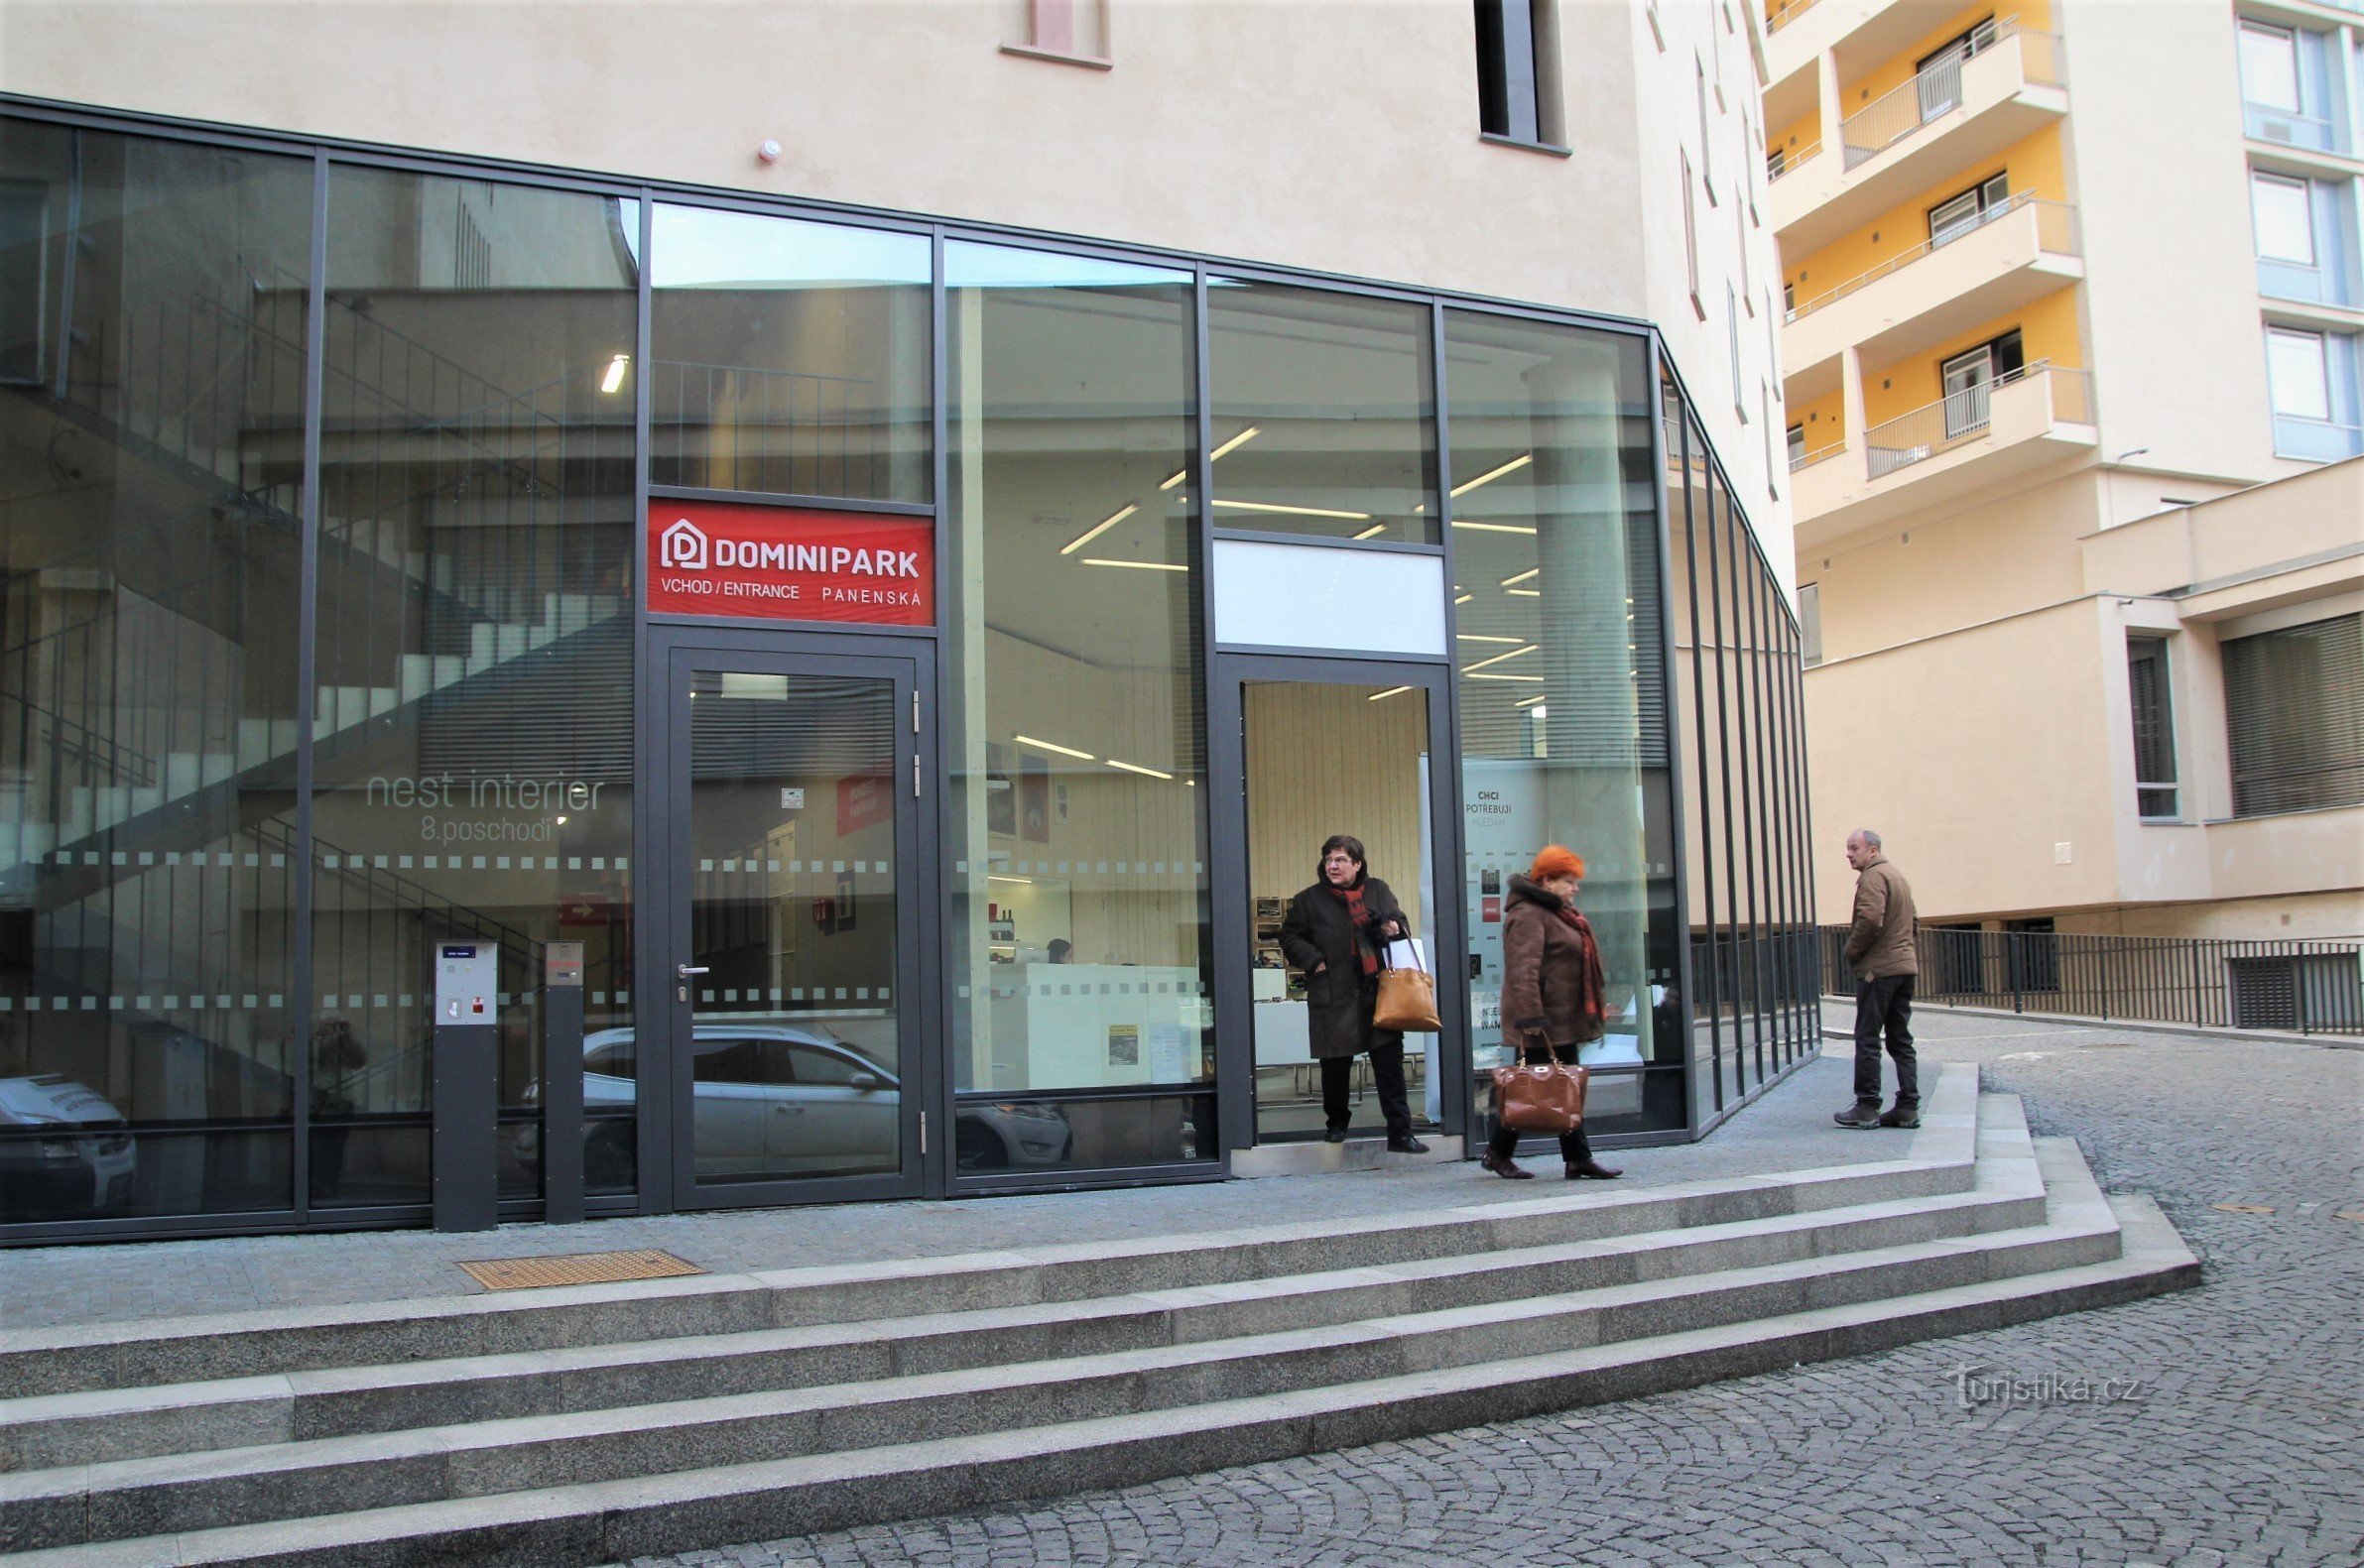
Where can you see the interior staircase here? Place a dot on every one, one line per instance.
(594, 1424)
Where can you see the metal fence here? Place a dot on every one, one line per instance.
(2309, 987)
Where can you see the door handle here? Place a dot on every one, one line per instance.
(685, 971)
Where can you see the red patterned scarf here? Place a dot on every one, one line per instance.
(1591, 998)
(1359, 917)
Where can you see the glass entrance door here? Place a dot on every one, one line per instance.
(1334, 747)
(795, 1060)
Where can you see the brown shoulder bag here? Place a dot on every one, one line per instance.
(1544, 1097)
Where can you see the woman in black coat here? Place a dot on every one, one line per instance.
(1333, 934)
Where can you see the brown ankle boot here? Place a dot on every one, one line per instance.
(1593, 1168)
(1506, 1168)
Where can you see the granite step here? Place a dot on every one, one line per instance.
(696, 1472)
(108, 1425)
(1937, 1162)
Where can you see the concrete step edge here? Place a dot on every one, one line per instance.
(1972, 1212)
(616, 1521)
(533, 1452)
(40, 1431)
(231, 1344)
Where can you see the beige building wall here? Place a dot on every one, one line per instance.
(2170, 302)
(1980, 748)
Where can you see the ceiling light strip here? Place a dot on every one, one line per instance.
(1492, 474)
(1054, 746)
(1300, 512)
(1098, 528)
(1515, 653)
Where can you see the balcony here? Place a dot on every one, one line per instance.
(1946, 450)
(1976, 271)
(1956, 113)
(2286, 128)
(1864, 32)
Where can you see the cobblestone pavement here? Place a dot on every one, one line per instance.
(2237, 1444)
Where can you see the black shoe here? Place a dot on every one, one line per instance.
(1407, 1145)
(1904, 1115)
(1861, 1115)
(1593, 1168)
(1506, 1168)
(1333, 1135)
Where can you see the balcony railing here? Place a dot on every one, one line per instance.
(1787, 13)
(1936, 91)
(1820, 455)
(2056, 234)
(2309, 284)
(1964, 416)
(1782, 159)
(2288, 128)
(2317, 440)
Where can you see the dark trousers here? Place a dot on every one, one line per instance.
(1573, 1144)
(1387, 1076)
(1885, 1003)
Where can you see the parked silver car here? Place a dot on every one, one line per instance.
(68, 1155)
(781, 1100)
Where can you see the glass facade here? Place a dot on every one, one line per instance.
(1560, 676)
(1739, 660)
(152, 540)
(470, 753)
(788, 357)
(1325, 412)
(330, 631)
(1074, 698)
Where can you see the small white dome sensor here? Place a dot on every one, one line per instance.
(769, 152)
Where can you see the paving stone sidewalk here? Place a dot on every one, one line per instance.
(52, 1287)
(2214, 1427)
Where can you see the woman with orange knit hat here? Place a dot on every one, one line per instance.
(1551, 993)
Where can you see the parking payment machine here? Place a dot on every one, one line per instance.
(466, 1060)
(561, 1082)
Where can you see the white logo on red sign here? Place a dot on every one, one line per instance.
(682, 548)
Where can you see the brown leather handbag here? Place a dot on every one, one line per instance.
(1544, 1097)
(1407, 1002)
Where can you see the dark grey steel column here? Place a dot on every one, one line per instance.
(561, 1082)
(466, 1050)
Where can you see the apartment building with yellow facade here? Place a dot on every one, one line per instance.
(2070, 307)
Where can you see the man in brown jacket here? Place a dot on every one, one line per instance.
(1881, 957)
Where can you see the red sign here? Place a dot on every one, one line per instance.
(862, 800)
(790, 564)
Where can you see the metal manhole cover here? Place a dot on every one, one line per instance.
(576, 1268)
